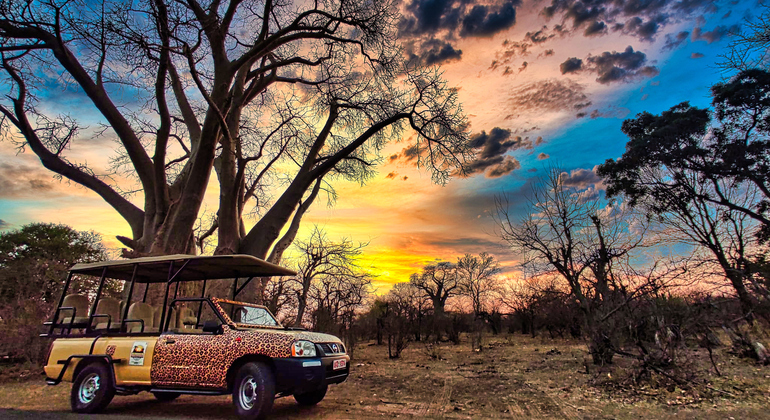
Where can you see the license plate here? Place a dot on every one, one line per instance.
(339, 364)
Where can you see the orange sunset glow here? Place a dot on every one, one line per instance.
(541, 86)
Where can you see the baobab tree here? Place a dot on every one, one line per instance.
(438, 282)
(264, 94)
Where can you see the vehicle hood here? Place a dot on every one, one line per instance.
(315, 337)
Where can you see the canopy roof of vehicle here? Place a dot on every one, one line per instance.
(185, 268)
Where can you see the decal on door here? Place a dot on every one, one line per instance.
(137, 353)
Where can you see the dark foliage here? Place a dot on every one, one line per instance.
(33, 266)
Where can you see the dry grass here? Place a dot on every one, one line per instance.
(514, 377)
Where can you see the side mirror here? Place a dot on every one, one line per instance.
(212, 327)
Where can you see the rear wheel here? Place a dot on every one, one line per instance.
(166, 396)
(312, 397)
(92, 390)
(254, 391)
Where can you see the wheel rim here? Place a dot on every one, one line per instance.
(248, 392)
(88, 388)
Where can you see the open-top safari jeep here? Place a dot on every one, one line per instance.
(188, 345)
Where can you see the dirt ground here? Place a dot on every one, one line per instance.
(513, 377)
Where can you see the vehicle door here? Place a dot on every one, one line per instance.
(132, 354)
(193, 355)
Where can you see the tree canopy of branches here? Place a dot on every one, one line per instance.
(706, 176)
(34, 261)
(750, 48)
(477, 279)
(438, 282)
(586, 245)
(329, 279)
(730, 144)
(268, 95)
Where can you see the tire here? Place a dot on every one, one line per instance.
(166, 396)
(92, 389)
(312, 397)
(254, 391)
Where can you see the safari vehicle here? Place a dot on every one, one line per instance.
(188, 345)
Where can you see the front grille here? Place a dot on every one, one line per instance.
(327, 348)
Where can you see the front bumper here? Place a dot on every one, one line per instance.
(296, 375)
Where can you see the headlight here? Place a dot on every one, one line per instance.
(303, 349)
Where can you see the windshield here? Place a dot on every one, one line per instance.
(249, 315)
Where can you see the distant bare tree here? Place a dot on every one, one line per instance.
(580, 241)
(401, 306)
(322, 260)
(477, 279)
(336, 299)
(438, 282)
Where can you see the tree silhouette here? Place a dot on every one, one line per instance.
(264, 94)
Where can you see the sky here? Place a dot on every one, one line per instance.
(544, 83)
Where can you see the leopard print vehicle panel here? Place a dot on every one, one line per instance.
(202, 360)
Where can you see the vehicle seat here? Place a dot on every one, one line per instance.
(80, 303)
(187, 318)
(159, 313)
(143, 311)
(107, 306)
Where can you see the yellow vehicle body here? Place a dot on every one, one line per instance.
(128, 370)
(188, 345)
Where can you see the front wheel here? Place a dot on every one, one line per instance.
(312, 397)
(92, 390)
(254, 391)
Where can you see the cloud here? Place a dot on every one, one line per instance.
(581, 179)
(543, 156)
(696, 55)
(546, 53)
(429, 28)
(588, 194)
(539, 37)
(482, 21)
(432, 51)
(456, 17)
(411, 153)
(596, 28)
(612, 112)
(550, 95)
(4, 224)
(642, 19)
(491, 157)
(508, 165)
(428, 16)
(571, 65)
(621, 66)
(517, 49)
(675, 41)
(407, 154)
(391, 175)
(19, 181)
(645, 31)
(510, 51)
(715, 34)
